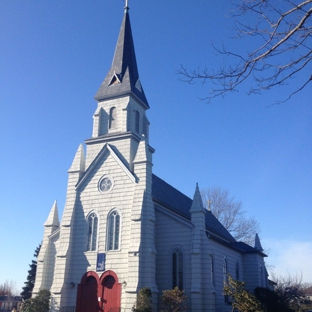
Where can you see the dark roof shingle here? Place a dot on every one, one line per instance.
(171, 198)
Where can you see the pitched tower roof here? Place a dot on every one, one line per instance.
(197, 204)
(258, 243)
(123, 76)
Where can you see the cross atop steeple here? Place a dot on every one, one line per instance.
(126, 5)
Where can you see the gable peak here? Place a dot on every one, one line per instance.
(115, 79)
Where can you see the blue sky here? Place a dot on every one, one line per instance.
(53, 58)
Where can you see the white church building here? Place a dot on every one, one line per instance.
(124, 228)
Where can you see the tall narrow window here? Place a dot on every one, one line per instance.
(92, 231)
(112, 118)
(226, 297)
(113, 231)
(137, 121)
(177, 269)
(212, 270)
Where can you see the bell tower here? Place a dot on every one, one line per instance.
(120, 118)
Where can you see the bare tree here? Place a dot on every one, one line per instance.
(290, 290)
(230, 213)
(282, 53)
(7, 288)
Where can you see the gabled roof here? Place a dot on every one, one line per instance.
(109, 150)
(171, 198)
(123, 76)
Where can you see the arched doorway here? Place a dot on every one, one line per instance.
(87, 297)
(111, 289)
(99, 295)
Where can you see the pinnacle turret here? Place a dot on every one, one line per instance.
(258, 243)
(53, 220)
(197, 204)
(78, 164)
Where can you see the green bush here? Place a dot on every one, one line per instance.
(173, 300)
(144, 301)
(41, 303)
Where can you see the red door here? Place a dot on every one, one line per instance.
(99, 295)
(89, 300)
(110, 294)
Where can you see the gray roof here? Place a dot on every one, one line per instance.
(123, 76)
(171, 198)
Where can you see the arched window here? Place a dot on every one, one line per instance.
(237, 271)
(177, 269)
(112, 118)
(137, 121)
(113, 234)
(212, 270)
(92, 232)
(225, 272)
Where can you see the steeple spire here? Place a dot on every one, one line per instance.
(123, 76)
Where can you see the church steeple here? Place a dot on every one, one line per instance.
(123, 76)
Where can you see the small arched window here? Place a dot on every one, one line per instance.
(113, 234)
(177, 269)
(237, 271)
(92, 232)
(112, 118)
(137, 121)
(212, 270)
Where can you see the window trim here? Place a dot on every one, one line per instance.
(106, 176)
(91, 244)
(112, 118)
(179, 263)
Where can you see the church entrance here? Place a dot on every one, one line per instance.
(89, 302)
(99, 294)
(110, 293)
